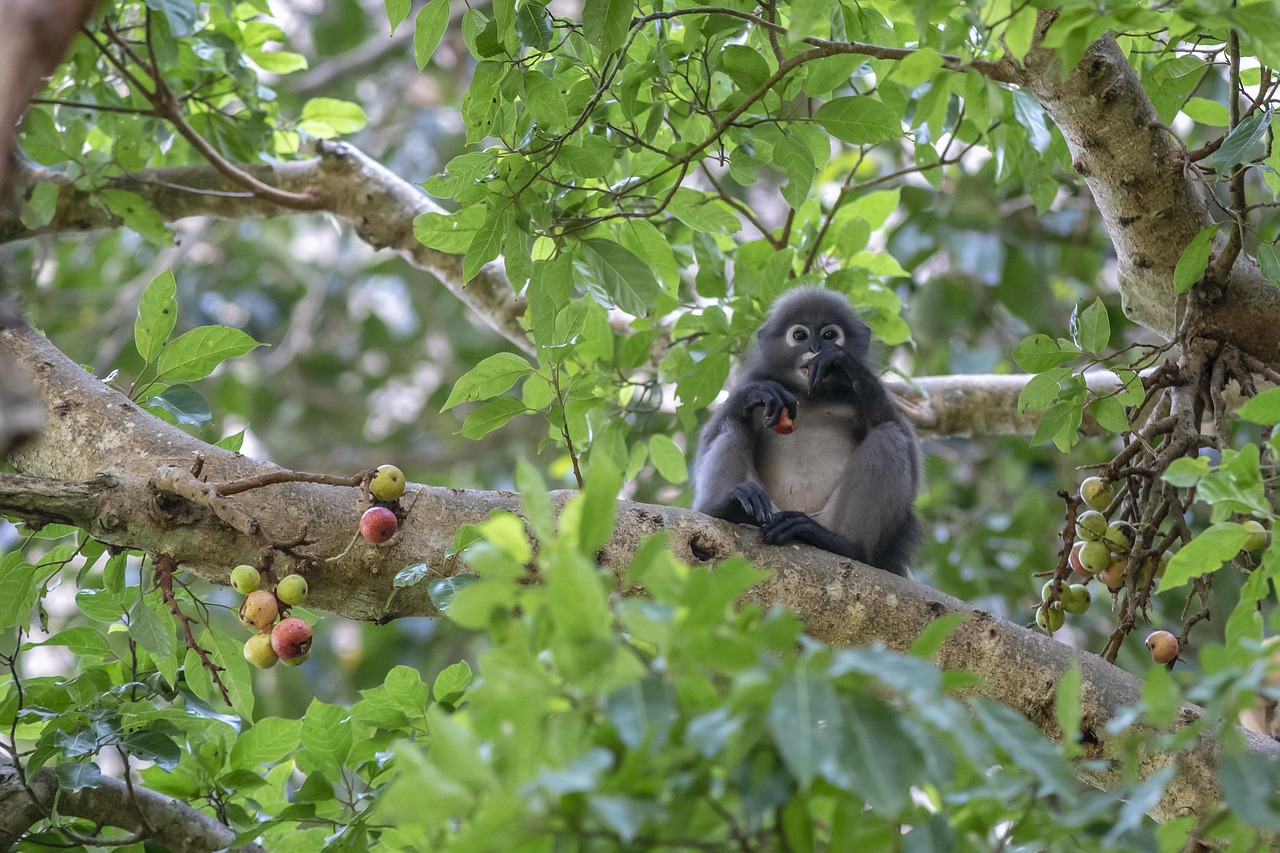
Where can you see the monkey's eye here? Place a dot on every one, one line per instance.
(799, 334)
(833, 333)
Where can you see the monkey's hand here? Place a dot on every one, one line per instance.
(833, 369)
(797, 527)
(765, 394)
(747, 503)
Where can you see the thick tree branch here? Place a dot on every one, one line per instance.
(1140, 179)
(93, 429)
(164, 819)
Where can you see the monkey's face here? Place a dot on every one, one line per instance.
(805, 341)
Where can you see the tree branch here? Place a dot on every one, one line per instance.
(159, 817)
(93, 429)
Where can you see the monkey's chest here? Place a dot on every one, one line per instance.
(801, 471)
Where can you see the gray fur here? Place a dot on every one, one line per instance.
(853, 463)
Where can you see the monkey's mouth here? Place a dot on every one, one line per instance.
(805, 361)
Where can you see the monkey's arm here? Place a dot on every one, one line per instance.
(725, 482)
(868, 518)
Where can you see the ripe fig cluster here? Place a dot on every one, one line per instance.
(380, 522)
(275, 638)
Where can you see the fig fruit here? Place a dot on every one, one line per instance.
(1095, 557)
(1049, 616)
(1091, 525)
(291, 638)
(387, 483)
(258, 651)
(1113, 574)
(292, 590)
(1259, 538)
(785, 425)
(1120, 537)
(1097, 493)
(259, 610)
(245, 579)
(1163, 646)
(1076, 599)
(378, 524)
(1074, 560)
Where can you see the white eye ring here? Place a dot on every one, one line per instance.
(834, 334)
(797, 335)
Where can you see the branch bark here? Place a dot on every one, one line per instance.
(1142, 182)
(98, 464)
(167, 820)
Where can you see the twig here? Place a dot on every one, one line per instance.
(166, 566)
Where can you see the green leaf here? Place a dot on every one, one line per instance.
(1110, 414)
(18, 589)
(181, 15)
(157, 314)
(195, 354)
(1066, 703)
(326, 738)
(703, 213)
(153, 745)
(326, 118)
(533, 25)
(806, 723)
(229, 654)
(138, 215)
(1194, 260)
(1038, 353)
(628, 281)
(488, 379)
(1091, 328)
(668, 458)
(859, 120)
(491, 416)
(927, 643)
(77, 777)
(1238, 142)
(878, 758)
(149, 630)
(449, 232)
(796, 161)
(485, 245)
(605, 23)
(397, 11)
(452, 682)
(1207, 112)
(442, 590)
(1060, 424)
(411, 575)
(271, 739)
(1042, 389)
(1263, 408)
(1204, 554)
(428, 28)
(184, 404)
(1269, 261)
(642, 712)
(82, 641)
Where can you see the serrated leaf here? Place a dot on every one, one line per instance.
(859, 120)
(195, 354)
(1091, 328)
(628, 281)
(1263, 408)
(668, 458)
(1238, 142)
(428, 28)
(1194, 260)
(1038, 353)
(1204, 554)
(157, 314)
(488, 379)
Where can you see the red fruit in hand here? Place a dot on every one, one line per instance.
(785, 425)
(378, 524)
(291, 638)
